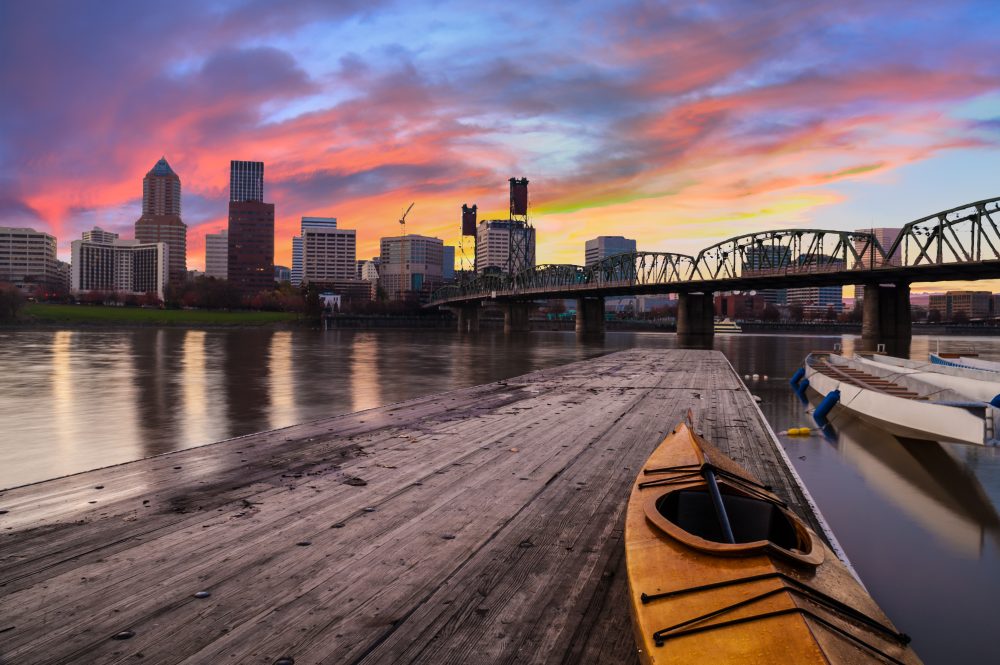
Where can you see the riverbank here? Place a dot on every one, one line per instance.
(47, 314)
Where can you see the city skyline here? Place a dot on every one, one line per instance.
(675, 126)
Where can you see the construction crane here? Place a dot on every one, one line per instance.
(404, 255)
(402, 220)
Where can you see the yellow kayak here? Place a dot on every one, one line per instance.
(720, 571)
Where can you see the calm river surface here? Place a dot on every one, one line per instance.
(919, 520)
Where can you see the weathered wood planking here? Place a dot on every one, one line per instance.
(488, 529)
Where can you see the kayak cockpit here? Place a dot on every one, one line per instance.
(752, 519)
(759, 522)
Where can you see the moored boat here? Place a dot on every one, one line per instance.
(901, 404)
(973, 383)
(720, 571)
(727, 326)
(964, 361)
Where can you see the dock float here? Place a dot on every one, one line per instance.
(481, 525)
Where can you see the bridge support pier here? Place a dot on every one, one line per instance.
(515, 317)
(886, 318)
(695, 320)
(468, 318)
(590, 316)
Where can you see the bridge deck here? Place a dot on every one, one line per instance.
(481, 525)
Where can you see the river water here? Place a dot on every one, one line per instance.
(918, 520)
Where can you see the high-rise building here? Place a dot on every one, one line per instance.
(217, 254)
(328, 254)
(493, 243)
(250, 258)
(161, 217)
(410, 266)
(296, 260)
(602, 247)
(28, 260)
(282, 274)
(369, 271)
(97, 234)
(246, 181)
(314, 222)
(124, 266)
(250, 252)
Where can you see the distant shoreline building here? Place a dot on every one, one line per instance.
(602, 247)
(250, 250)
(328, 254)
(493, 243)
(886, 237)
(818, 299)
(97, 234)
(28, 261)
(217, 254)
(410, 265)
(120, 266)
(161, 217)
(970, 304)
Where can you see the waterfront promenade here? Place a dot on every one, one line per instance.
(480, 525)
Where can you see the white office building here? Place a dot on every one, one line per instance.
(122, 266)
(328, 254)
(28, 259)
(602, 247)
(97, 234)
(297, 255)
(493, 243)
(217, 254)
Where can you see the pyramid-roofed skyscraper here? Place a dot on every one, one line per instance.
(161, 217)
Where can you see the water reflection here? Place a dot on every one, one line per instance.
(281, 380)
(246, 382)
(923, 480)
(363, 374)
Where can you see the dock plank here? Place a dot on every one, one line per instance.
(480, 525)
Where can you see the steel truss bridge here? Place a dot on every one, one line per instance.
(962, 243)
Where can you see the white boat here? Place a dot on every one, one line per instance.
(975, 384)
(727, 326)
(905, 405)
(966, 362)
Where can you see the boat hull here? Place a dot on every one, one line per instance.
(663, 570)
(905, 417)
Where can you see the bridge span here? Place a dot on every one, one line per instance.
(962, 243)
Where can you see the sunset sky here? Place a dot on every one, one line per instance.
(675, 123)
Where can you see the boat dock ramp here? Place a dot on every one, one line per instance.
(476, 526)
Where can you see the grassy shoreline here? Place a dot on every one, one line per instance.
(49, 314)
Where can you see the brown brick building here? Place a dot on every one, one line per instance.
(251, 246)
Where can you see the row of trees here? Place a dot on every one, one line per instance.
(11, 301)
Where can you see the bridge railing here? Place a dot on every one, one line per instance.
(966, 234)
(787, 252)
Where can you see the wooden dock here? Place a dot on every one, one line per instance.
(482, 525)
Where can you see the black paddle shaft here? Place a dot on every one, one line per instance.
(720, 508)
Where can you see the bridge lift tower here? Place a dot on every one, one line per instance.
(468, 229)
(521, 251)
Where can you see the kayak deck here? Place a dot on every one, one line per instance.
(789, 603)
